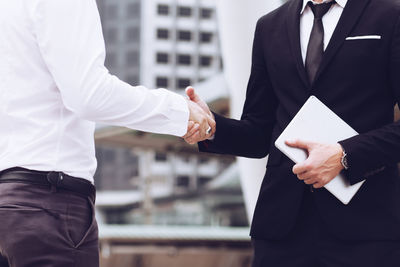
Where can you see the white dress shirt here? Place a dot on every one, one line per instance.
(330, 21)
(54, 86)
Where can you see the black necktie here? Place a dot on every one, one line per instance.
(315, 49)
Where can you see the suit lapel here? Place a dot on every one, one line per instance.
(350, 16)
(293, 28)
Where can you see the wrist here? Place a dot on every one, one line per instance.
(343, 158)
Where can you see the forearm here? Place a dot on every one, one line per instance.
(241, 138)
(70, 39)
(112, 101)
(372, 152)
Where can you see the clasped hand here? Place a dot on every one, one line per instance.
(201, 121)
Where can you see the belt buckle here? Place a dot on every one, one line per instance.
(55, 179)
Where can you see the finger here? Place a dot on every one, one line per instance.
(299, 144)
(191, 124)
(318, 185)
(193, 96)
(304, 176)
(211, 122)
(197, 114)
(302, 167)
(310, 181)
(204, 127)
(194, 130)
(195, 138)
(191, 93)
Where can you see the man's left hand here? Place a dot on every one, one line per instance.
(322, 165)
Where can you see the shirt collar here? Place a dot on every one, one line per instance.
(341, 3)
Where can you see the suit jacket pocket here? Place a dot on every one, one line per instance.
(364, 37)
(362, 46)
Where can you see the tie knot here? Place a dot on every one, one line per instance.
(320, 10)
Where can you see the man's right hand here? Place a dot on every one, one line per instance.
(195, 132)
(199, 124)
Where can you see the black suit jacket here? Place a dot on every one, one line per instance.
(360, 81)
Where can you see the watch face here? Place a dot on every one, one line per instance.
(344, 161)
(346, 166)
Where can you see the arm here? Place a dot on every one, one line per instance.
(251, 135)
(70, 39)
(369, 153)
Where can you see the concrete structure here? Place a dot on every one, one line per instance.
(175, 246)
(163, 181)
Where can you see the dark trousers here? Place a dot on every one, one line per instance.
(41, 228)
(311, 245)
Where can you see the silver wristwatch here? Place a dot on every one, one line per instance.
(343, 160)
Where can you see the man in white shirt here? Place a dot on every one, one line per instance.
(347, 53)
(53, 87)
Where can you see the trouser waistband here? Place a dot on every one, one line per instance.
(55, 181)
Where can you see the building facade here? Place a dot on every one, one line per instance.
(150, 179)
(121, 21)
(161, 43)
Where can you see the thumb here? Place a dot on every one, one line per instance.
(190, 92)
(299, 144)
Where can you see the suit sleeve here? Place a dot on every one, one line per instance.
(370, 153)
(251, 135)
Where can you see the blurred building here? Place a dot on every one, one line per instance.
(188, 202)
(149, 246)
(161, 43)
(122, 21)
(151, 179)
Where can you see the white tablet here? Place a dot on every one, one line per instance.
(315, 122)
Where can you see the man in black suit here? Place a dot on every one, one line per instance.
(347, 53)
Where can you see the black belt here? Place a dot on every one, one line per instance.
(54, 180)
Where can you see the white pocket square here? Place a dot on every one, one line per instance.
(364, 37)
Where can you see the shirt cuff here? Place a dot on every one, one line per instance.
(178, 115)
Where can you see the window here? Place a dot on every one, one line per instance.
(206, 13)
(111, 35)
(162, 58)
(112, 11)
(206, 37)
(184, 59)
(132, 34)
(205, 61)
(183, 83)
(162, 34)
(159, 155)
(184, 36)
(161, 82)
(204, 160)
(203, 180)
(133, 10)
(111, 59)
(132, 59)
(184, 11)
(163, 10)
(183, 181)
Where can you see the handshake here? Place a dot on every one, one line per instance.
(202, 124)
